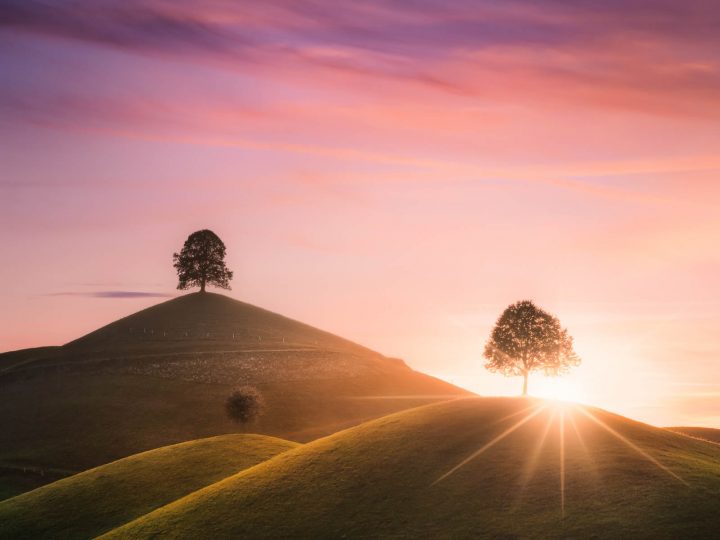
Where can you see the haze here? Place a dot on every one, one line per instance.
(397, 176)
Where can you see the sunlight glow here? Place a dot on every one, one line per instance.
(559, 389)
(532, 461)
(560, 416)
(581, 441)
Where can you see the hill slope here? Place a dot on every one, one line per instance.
(161, 376)
(709, 434)
(398, 477)
(100, 499)
(207, 322)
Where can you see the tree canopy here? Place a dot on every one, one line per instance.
(201, 262)
(244, 404)
(526, 339)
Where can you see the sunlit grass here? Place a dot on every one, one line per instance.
(537, 410)
(629, 443)
(561, 416)
(476, 467)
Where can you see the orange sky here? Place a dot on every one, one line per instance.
(397, 176)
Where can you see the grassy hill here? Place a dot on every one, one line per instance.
(709, 434)
(528, 471)
(100, 499)
(15, 360)
(160, 376)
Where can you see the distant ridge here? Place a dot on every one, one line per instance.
(708, 434)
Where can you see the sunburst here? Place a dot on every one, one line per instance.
(561, 415)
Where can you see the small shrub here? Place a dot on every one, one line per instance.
(244, 405)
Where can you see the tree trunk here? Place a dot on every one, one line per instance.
(202, 286)
(525, 379)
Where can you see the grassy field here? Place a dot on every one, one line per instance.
(532, 470)
(709, 434)
(161, 376)
(95, 501)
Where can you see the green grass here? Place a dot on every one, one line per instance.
(80, 405)
(378, 480)
(15, 480)
(95, 501)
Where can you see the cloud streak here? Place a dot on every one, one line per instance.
(130, 25)
(640, 55)
(112, 294)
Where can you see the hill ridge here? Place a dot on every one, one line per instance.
(380, 479)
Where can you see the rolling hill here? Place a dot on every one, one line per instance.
(709, 434)
(160, 376)
(95, 501)
(465, 468)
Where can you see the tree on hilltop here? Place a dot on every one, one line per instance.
(526, 339)
(201, 262)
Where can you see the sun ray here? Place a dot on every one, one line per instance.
(492, 443)
(639, 450)
(583, 445)
(531, 463)
(562, 462)
(517, 413)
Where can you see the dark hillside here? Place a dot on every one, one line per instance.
(160, 377)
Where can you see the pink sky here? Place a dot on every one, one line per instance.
(395, 176)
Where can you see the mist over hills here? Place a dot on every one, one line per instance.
(160, 376)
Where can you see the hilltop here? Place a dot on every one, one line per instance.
(208, 321)
(467, 468)
(160, 376)
(95, 501)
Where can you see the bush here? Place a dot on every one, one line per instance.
(244, 405)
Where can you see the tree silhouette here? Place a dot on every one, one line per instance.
(525, 339)
(244, 404)
(201, 262)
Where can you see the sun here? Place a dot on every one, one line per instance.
(559, 390)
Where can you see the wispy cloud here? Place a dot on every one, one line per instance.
(142, 26)
(112, 294)
(638, 54)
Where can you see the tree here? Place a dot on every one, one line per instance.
(244, 405)
(525, 339)
(202, 262)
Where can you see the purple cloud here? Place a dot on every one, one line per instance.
(659, 56)
(131, 25)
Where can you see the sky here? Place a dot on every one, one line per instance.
(394, 172)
